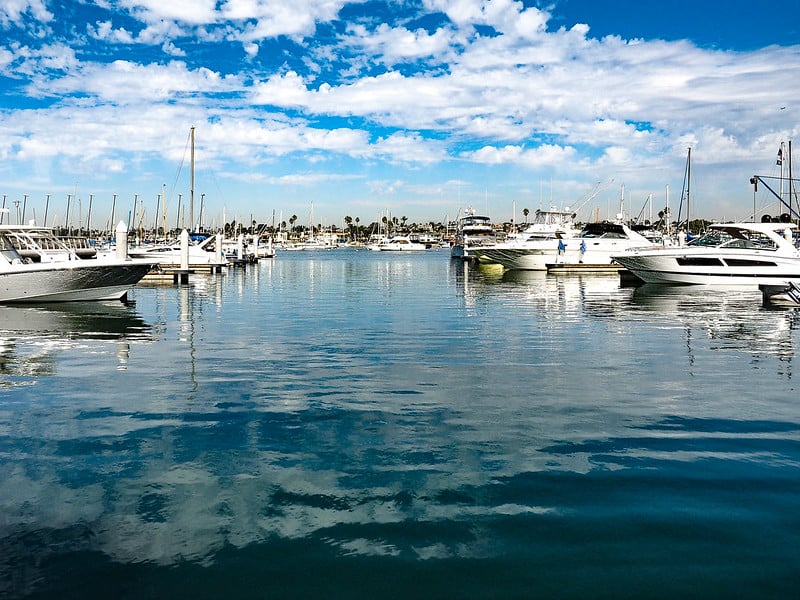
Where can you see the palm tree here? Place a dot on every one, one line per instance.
(292, 220)
(526, 212)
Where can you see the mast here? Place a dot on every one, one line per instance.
(191, 186)
(688, 186)
(113, 208)
(791, 182)
(163, 210)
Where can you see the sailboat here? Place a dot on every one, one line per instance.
(311, 242)
(168, 254)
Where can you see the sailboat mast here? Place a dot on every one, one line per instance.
(688, 186)
(164, 210)
(191, 186)
(791, 181)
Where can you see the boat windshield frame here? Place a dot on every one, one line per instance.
(734, 239)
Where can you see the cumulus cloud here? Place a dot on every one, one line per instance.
(15, 11)
(483, 81)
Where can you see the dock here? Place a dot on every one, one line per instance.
(583, 268)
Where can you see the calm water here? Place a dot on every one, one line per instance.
(362, 425)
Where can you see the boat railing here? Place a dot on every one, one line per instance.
(40, 246)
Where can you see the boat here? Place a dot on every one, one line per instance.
(400, 243)
(311, 243)
(733, 254)
(35, 267)
(472, 232)
(167, 255)
(548, 227)
(592, 247)
(264, 250)
(547, 223)
(426, 239)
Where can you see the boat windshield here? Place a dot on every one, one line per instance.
(721, 238)
(603, 230)
(8, 249)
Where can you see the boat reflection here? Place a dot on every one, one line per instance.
(30, 335)
(732, 319)
(554, 296)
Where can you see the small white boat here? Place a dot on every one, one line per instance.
(35, 267)
(169, 255)
(400, 243)
(732, 254)
(309, 244)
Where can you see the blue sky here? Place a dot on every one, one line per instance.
(416, 107)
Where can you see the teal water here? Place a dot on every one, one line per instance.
(360, 425)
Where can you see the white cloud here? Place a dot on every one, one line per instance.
(525, 97)
(14, 11)
(507, 16)
(105, 31)
(196, 12)
(410, 148)
(545, 155)
(394, 45)
(125, 82)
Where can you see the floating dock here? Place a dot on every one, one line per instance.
(584, 268)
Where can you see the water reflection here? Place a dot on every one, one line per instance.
(31, 335)
(81, 320)
(552, 296)
(388, 407)
(729, 319)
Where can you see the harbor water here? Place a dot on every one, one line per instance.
(354, 424)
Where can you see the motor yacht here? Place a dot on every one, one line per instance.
(400, 243)
(36, 267)
(593, 245)
(737, 254)
(473, 231)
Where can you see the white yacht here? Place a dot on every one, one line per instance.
(310, 244)
(473, 231)
(400, 243)
(737, 254)
(594, 245)
(543, 234)
(36, 267)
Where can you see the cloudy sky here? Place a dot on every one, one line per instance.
(418, 107)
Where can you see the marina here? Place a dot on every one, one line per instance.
(474, 299)
(374, 424)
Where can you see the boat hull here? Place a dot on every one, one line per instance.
(537, 259)
(731, 269)
(43, 283)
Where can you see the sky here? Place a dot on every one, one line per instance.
(323, 109)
